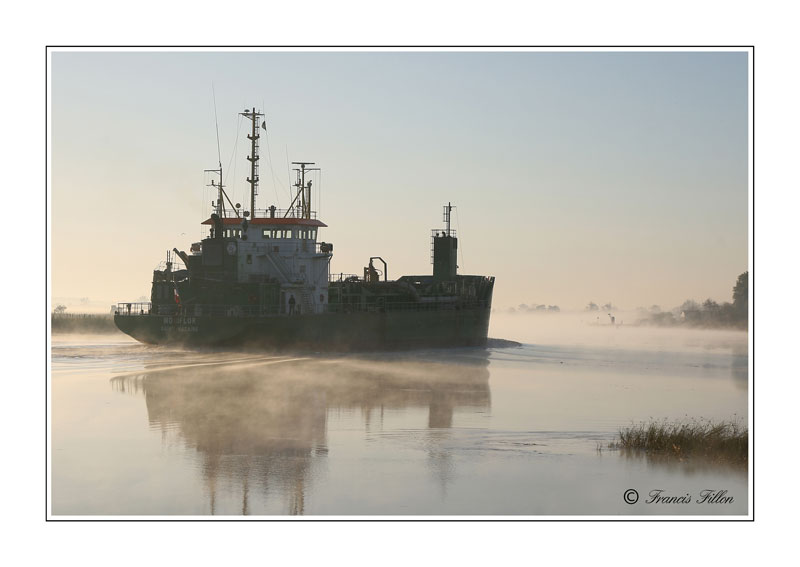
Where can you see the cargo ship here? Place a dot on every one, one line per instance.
(262, 279)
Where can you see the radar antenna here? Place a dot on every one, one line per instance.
(301, 204)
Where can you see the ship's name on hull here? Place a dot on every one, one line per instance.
(179, 324)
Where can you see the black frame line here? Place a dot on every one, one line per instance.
(751, 284)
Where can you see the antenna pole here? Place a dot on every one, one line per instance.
(220, 204)
(302, 181)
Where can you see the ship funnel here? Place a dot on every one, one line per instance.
(445, 250)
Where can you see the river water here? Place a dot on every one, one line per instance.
(500, 431)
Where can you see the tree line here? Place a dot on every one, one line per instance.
(709, 313)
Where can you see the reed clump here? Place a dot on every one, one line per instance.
(82, 323)
(725, 441)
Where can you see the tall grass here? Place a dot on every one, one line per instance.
(81, 323)
(719, 441)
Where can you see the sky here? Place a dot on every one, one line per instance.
(615, 177)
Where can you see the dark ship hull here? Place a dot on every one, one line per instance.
(430, 326)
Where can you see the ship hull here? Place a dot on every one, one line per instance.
(328, 332)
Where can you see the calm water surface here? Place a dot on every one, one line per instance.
(148, 430)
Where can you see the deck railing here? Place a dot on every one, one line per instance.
(336, 278)
(141, 308)
(265, 213)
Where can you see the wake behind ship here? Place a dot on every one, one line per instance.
(262, 278)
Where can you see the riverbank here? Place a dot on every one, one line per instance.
(82, 323)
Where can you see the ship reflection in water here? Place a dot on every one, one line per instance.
(258, 425)
(506, 430)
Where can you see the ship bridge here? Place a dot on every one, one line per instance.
(281, 233)
(278, 247)
(269, 227)
(269, 247)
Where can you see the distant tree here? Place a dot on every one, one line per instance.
(655, 309)
(726, 314)
(689, 305)
(524, 307)
(553, 308)
(740, 292)
(710, 305)
(662, 319)
(592, 307)
(59, 309)
(609, 307)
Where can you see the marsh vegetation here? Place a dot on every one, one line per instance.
(82, 323)
(724, 441)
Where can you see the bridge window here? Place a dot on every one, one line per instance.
(307, 233)
(288, 233)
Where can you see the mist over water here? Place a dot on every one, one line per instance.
(594, 329)
(149, 430)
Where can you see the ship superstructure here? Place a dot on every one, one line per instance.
(262, 276)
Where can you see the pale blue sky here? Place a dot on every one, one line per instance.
(578, 176)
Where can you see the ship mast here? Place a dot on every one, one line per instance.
(303, 196)
(253, 157)
(219, 205)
